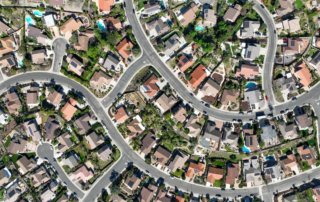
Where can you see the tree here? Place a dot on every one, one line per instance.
(262, 28)
(148, 160)
(167, 116)
(114, 189)
(179, 124)
(233, 157)
(136, 51)
(189, 38)
(13, 70)
(261, 144)
(74, 38)
(130, 172)
(186, 131)
(113, 38)
(267, 2)
(57, 132)
(161, 186)
(26, 62)
(223, 26)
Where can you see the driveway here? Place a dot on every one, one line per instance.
(59, 46)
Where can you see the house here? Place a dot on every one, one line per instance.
(71, 161)
(150, 88)
(193, 126)
(83, 174)
(287, 84)
(50, 127)
(304, 120)
(232, 13)
(229, 138)
(122, 48)
(147, 193)
(180, 158)
(4, 176)
(7, 61)
(251, 140)
(8, 45)
(36, 34)
(148, 142)
(48, 21)
(179, 199)
(315, 62)
(40, 176)
(162, 155)
(286, 6)
(164, 102)
(316, 193)
(69, 109)
(214, 174)
(152, 7)
(4, 28)
(121, 115)
(47, 195)
(16, 146)
(56, 2)
(210, 88)
(157, 27)
(303, 74)
(307, 154)
(38, 56)
(113, 23)
(100, 79)
(198, 75)
(12, 193)
(248, 28)
(3, 117)
(32, 130)
(184, 63)
(272, 171)
(53, 185)
(83, 43)
(94, 140)
(162, 196)
(251, 52)
(288, 130)
(54, 98)
(171, 44)
(188, 14)
(132, 182)
(212, 134)
(292, 25)
(252, 95)
(135, 127)
(74, 65)
(70, 26)
(232, 173)
(247, 71)
(13, 103)
(33, 97)
(195, 169)
(252, 172)
(210, 19)
(293, 46)
(63, 198)
(111, 62)
(229, 96)
(105, 6)
(83, 124)
(65, 142)
(289, 165)
(179, 113)
(268, 135)
(105, 152)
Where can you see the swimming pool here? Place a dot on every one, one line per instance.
(20, 62)
(245, 149)
(169, 23)
(38, 13)
(199, 28)
(29, 20)
(269, 157)
(102, 26)
(249, 85)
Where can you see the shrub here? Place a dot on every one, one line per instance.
(167, 116)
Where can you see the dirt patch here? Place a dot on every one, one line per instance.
(135, 82)
(136, 98)
(217, 77)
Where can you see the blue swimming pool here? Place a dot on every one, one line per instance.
(169, 23)
(245, 149)
(20, 62)
(199, 28)
(29, 20)
(249, 85)
(101, 26)
(38, 13)
(269, 157)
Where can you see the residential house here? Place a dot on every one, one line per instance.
(111, 62)
(54, 98)
(48, 21)
(304, 120)
(188, 14)
(247, 71)
(105, 6)
(292, 25)
(308, 154)
(157, 27)
(287, 84)
(13, 103)
(248, 28)
(26, 164)
(70, 26)
(94, 140)
(69, 109)
(8, 45)
(38, 56)
(150, 88)
(288, 130)
(40, 176)
(113, 23)
(184, 63)
(33, 97)
(252, 172)
(105, 152)
(162, 196)
(122, 48)
(214, 174)
(83, 43)
(289, 165)
(195, 169)
(56, 2)
(53, 185)
(193, 126)
(229, 96)
(180, 158)
(252, 95)
(316, 194)
(293, 46)
(63, 198)
(148, 142)
(162, 155)
(251, 140)
(286, 6)
(16, 146)
(198, 75)
(251, 52)
(210, 19)
(4, 176)
(171, 44)
(232, 13)
(135, 127)
(146, 193)
(47, 195)
(83, 124)
(272, 171)
(268, 135)
(152, 7)
(83, 173)
(164, 102)
(210, 88)
(7, 61)
(100, 79)
(36, 34)
(179, 199)
(4, 28)
(65, 142)
(229, 138)
(212, 134)
(71, 161)
(32, 130)
(121, 115)
(74, 65)
(50, 127)
(132, 182)
(315, 62)
(179, 113)
(12, 193)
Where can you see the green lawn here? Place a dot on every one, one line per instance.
(118, 155)
(219, 163)
(31, 155)
(299, 4)
(73, 138)
(140, 5)
(91, 180)
(6, 144)
(168, 146)
(311, 143)
(278, 72)
(196, 158)
(5, 159)
(305, 166)
(82, 156)
(271, 9)
(178, 173)
(312, 52)
(217, 183)
(284, 151)
(305, 132)
(1, 194)
(14, 159)
(229, 149)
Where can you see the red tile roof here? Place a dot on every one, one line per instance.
(122, 48)
(197, 76)
(105, 5)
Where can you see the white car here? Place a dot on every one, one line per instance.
(51, 147)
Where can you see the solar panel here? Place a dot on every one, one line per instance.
(30, 131)
(157, 28)
(250, 140)
(180, 65)
(246, 24)
(74, 64)
(152, 9)
(48, 125)
(10, 61)
(146, 87)
(11, 193)
(292, 43)
(185, 60)
(318, 191)
(249, 54)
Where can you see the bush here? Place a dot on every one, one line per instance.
(13, 70)
(186, 131)
(148, 160)
(179, 125)
(167, 116)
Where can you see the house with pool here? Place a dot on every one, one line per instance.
(251, 141)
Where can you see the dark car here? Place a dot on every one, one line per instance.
(207, 105)
(294, 99)
(133, 10)
(204, 112)
(262, 6)
(124, 4)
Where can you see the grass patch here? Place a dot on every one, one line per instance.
(140, 5)
(299, 4)
(311, 143)
(218, 163)
(31, 155)
(73, 138)
(168, 146)
(118, 155)
(312, 52)
(271, 9)
(278, 73)
(5, 159)
(305, 166)
(217, 183)
(14, 159)
(1, 194)
(82, 156)
(285, 151)
(196, 158)
(6, 144)
(229, 149)
(91, 180)
(305, 132)
(278, 94)
(177, 173)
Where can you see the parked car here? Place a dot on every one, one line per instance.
(267, 98)
(293, 99)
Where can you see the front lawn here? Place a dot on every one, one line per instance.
(91, 180)
(118, 155)
(178, 173)
(31, 155)
(196, 158)
(6, 144)
(285, 151)
(217, 183)
(305, 166)
(14, 159)
(218, 163)
(311, 143)
(299, 4)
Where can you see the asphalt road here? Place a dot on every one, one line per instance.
(59, 46)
